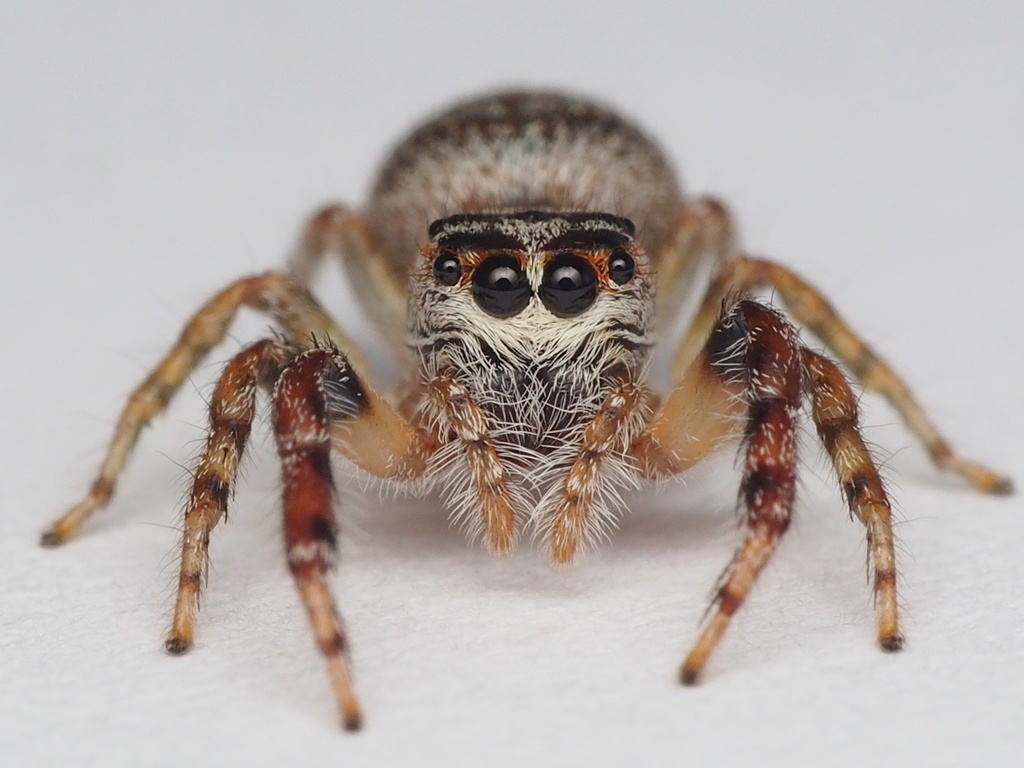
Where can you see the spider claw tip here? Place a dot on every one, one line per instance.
(51, 539)
(1003, 487)
(176, 646)
(688, 676)
(891, 643)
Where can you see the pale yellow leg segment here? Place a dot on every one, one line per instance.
(701, 413)
(749, 561)
(287, 302)
(702, 230)
(811, 309)
(381, 293)
(605, 434)
(382, 441)
(316, 597)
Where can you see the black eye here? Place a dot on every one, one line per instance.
(500, 286)
(621, 267)
(447, 269)
(570, 285)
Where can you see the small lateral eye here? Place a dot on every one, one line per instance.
(621, 267)
(447, 270)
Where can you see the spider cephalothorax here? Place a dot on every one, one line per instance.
(528, 306)
(538, 316)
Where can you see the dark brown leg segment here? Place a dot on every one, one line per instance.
(319, 403)
(302, 416)
(754, 343)
(749, 379)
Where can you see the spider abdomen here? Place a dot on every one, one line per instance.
(516, 152)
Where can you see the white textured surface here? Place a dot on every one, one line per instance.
(150, 155)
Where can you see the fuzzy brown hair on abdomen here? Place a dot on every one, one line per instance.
(521, 151)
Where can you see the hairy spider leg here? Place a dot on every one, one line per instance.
(291, 305)
(320, 402)
(834, 409)
(811, 309)
(702, 231)
(754, 372)
(232, 409)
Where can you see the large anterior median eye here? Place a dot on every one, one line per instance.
(570, 285)
(500, 286)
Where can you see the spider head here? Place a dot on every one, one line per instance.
(532, 285)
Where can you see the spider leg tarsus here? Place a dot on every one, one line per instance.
(51, 538)
(981, 477)
(348, 704)
(688, 676)
(177, 645)
(892, 643)
(1003, 487)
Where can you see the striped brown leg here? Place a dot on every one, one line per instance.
(756, 344)
(467, 421)
(571, 519)
(746, 380)
(811, 309)
(319, 401)
(288, 303)
(232, 409)
(835, 417)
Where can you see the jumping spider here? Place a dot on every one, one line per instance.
(525, 315)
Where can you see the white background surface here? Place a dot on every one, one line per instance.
(149, 156)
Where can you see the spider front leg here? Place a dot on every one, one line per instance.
(320, 402)
(282, 298)
(752, 373)
(232, 409)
